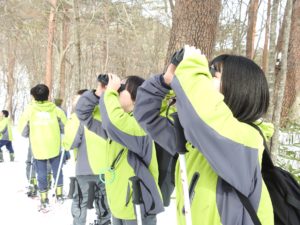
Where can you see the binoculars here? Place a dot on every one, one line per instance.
(103, 79)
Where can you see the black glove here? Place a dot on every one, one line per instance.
(177, 57)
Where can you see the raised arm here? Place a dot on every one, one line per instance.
(151, 113)
(87, 111)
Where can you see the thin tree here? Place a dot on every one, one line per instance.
(64, 46)
(51, 31)
(252, 18)
(267, 37)
(194, 23)
(270, 74)
(11, 58)
(282, 74)
(77, 77)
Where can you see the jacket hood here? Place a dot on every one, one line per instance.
(45, 106)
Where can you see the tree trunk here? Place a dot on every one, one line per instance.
(272, 58)
(77, 75)
(295, 110)
(51, 30)
(64, 47)
(194, 23)
(252, 18)
(282, 74)
(10, 77)
(105, 40)
(293, 68)
(267, 37)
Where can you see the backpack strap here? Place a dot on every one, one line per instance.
(246, 203)
(266, 154)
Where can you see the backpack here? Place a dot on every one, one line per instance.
(283, 189)
(166, 168)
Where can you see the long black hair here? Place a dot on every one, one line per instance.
(132, 83)
(244, 86)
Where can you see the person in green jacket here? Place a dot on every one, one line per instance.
(43, 122)
(130, 151)
(222, 148)
(90, 159)
(6, 135)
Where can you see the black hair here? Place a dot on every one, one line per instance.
(5, 113)
(132, 83)
(40, 92)
(81, 91)
(244, 86)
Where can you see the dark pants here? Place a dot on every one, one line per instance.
(149, 220)
(80, 200)
(7, 144)
(41, 169)
(30, 164)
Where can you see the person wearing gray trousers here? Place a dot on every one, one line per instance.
(80, 200)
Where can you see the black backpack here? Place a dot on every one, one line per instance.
(283, 189)
(166, 168)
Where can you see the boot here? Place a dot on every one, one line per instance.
(44, 207)
(59, 194)
(1, 156)
(12, 157)
(33, 188)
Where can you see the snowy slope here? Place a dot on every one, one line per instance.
(16, 208)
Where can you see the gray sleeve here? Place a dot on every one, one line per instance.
(147, 112)
(61, 126)
(25, 132)
(84, 111)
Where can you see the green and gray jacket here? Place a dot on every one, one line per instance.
(43, 123)
(5, 129)
(222, 149)
(91, 148)
(129, 152)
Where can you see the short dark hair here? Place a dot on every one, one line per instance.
(5, 113)
(40, 92)
(131, 85)
(244, 86)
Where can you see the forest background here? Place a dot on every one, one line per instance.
(67, 43)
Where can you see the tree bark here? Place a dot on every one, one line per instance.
(51, 31)
(266, 43)
(286, 36)
(77, 76)
(10, 77)
(293, 68)
(272, 58)
(194, 23)
(252, 18)
(63, 49)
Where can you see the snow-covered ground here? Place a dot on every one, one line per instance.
(16, 208)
